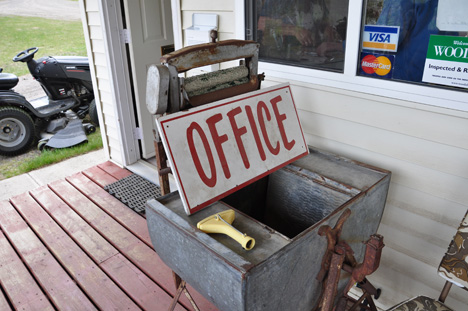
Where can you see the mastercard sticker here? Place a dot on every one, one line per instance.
(376, 65)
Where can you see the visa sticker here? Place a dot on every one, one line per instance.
(381, 38)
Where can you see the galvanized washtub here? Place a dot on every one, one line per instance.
(283, 212)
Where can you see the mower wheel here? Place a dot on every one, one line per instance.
(41, 145)
(89, 128)
(17, 131)
(93, 114)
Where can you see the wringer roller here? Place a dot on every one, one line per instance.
(166, 92)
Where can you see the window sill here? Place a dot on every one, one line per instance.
(407, 94)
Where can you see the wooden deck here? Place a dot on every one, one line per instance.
(72, 246)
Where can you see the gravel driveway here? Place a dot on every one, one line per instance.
(53, 9)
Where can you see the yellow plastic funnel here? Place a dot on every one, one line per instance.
(221, 223)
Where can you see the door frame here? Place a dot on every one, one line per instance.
(120, 82)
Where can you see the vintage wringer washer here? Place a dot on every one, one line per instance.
(282, 212)
(166, 92)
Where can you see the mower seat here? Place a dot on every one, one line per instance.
(8, 81)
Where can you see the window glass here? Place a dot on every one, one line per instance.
(420, 41)
(306, 33)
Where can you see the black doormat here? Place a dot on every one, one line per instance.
(134, 191)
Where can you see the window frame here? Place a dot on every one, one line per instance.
(350, 80)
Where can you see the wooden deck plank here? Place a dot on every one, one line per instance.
(114, 170)
(83, 234)
(93, 281)
(132, 221)
(133, 248)
(99, 176)
(4, 303)
(142, 255)
(59, 287)
(145, 292)
(17, 282)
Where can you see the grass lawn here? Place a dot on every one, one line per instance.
(52, 37)
(14, 166)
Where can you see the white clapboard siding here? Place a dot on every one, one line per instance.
(91, 5)
(96, 52)
(390, 115)
(418, 151)
(209, 5)
(425, 205)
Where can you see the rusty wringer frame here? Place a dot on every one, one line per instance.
(284, 211)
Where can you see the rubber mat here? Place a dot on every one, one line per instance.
(134, 191)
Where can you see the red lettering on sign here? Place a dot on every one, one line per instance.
(238, 132)
(210, 182)
(280, 118)
(262, 106)
(218, 141)
(253, 125)
(263, 117)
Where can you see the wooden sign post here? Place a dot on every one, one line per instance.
(218, 148)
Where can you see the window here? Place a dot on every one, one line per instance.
(278, 64)
(422, 41)
(301, 33)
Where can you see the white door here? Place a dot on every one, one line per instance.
(150, 25)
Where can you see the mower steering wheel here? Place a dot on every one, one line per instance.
(26, 55)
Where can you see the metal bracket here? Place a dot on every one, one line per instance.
(181, 287)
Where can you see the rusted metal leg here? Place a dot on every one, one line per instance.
(181, 286)
(370, 301)
(370, 263)
(163, 170)
(331, 283)
(358, 275)
(365, 301)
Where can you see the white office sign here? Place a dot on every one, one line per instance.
(218, 148)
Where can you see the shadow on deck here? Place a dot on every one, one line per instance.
(72, 246)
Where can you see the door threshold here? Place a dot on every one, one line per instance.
(149, 171)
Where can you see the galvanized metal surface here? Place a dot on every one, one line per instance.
(280, 272)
